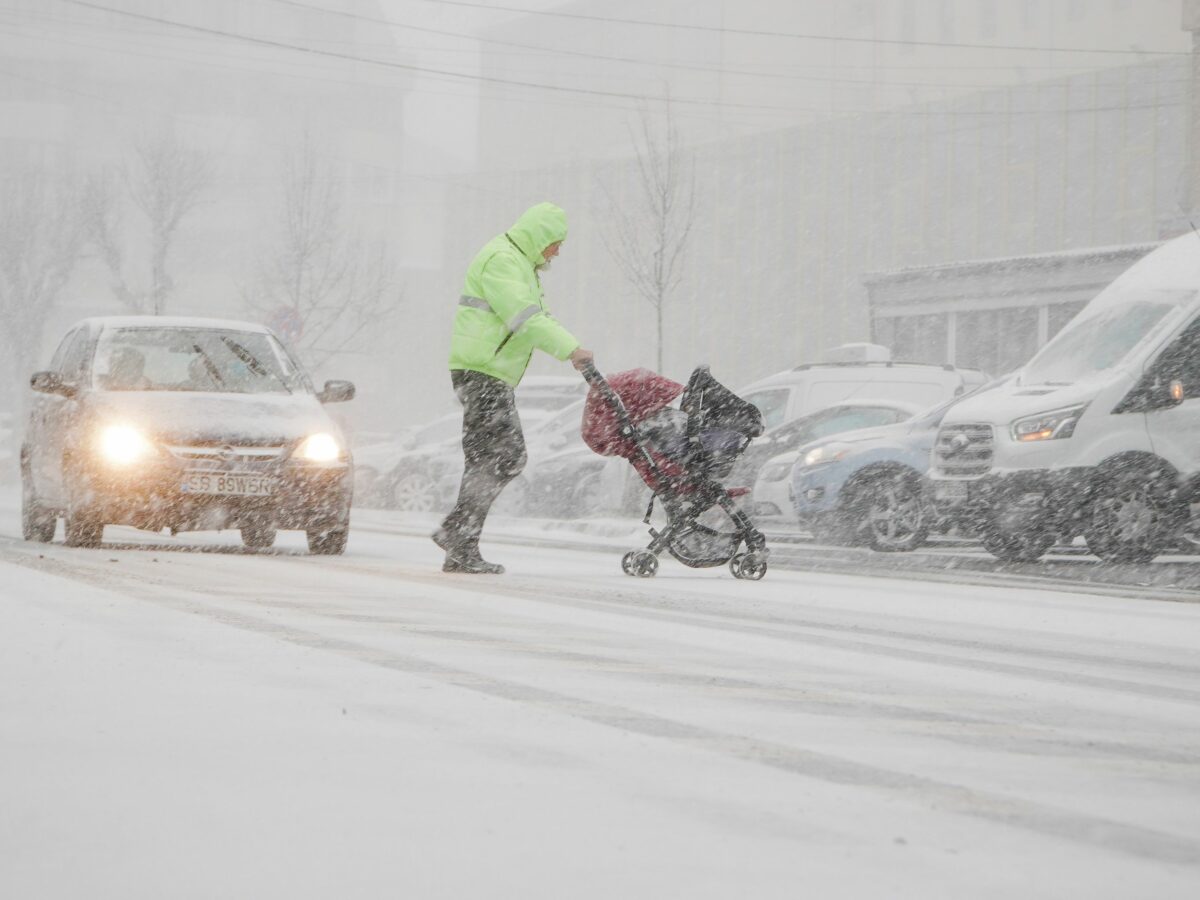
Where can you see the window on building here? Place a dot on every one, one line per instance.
(996, 340)
(918, 338)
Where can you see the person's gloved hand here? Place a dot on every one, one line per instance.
(580, 357)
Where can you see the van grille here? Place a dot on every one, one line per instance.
(963, 451)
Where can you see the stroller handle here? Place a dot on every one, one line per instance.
(601, 386)
(591, 374)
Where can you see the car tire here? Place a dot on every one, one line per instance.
(328, 541)
(1134, 517)
(258, 537)
(1009, 547)
(894, 515)
(37, 523)
(414, 492)
(82, 528)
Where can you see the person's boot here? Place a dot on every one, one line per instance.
(443, 538)
(467, 561)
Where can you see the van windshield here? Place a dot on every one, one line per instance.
(1099, 340)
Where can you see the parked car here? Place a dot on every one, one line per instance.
(1098, 434)
(186, 424)
(786, 396)
(376, 463)
(869, 485)
(426, 476)
(771, 497)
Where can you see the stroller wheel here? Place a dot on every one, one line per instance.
(751, 566)
(627, 562)
(641, 563)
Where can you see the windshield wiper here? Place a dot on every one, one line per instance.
(253, 363)
(213, 371)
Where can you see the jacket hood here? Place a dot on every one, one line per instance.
(538, 228)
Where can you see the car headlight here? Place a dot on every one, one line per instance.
(123, 445)
(829, 453)
(318, 448)
(776, 471)
(1048, 426)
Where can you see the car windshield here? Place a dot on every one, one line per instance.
(194, 359)
(1099, 340)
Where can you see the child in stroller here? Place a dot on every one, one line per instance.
(682, 455)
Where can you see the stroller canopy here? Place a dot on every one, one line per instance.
(642, 392)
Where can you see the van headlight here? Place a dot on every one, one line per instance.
(776, 471)
(123, 445)
(818, 456)
(1048, 426)
(318, 448)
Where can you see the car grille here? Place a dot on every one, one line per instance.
(226, 455)
(963, 451)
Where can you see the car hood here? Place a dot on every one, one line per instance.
(199, 416)
(1012, 400)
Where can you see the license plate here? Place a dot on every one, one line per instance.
(227, 484)
(949, 492)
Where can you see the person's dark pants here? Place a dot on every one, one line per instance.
(493, 450)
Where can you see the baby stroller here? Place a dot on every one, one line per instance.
(682, 455)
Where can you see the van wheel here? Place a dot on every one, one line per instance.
(894, 515)
(1134, 517)
(1009, 547)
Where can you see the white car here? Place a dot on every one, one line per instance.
(788, 395)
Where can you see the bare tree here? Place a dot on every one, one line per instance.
(164, 183)
(649, 238)
(41, 237)
(332, 285)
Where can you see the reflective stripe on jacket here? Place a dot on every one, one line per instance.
(501, 315)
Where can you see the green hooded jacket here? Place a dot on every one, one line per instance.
(501, 317)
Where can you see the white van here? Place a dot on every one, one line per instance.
(1098, 434)
(807, 388)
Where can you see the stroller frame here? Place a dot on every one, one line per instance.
(683, 498)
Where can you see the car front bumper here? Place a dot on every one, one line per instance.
(154, 496)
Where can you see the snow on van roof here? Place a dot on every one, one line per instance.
(95, 322)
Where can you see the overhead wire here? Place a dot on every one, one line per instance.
(604, 57)
(809, 36)
(270, 42)
(639, 98)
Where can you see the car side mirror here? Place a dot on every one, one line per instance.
(52, 383)
(337, 392)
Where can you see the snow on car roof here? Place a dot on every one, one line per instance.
(97, 322)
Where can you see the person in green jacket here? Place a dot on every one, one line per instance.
(501, 319)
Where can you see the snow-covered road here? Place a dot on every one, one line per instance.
(218, 723)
